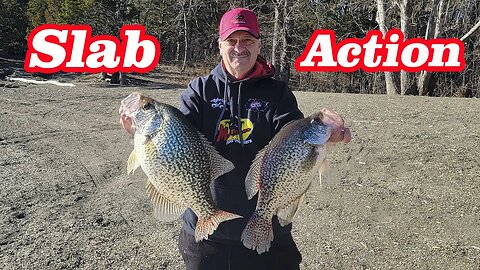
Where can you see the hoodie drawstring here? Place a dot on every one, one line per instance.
(224, 108)
(239, 114)
(226, 98)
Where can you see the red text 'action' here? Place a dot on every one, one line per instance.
(375, 53)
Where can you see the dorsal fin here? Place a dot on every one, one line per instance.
(254, 175)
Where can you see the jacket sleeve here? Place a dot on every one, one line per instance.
(191, 103)
(287, 110)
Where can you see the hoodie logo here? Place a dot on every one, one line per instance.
(217, 103)
(228, 131)
(256, 105)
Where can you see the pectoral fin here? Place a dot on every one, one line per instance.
(254, 175)
(163, 208)
(133, 162)
(324, 173)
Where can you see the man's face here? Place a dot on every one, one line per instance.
(239, 53)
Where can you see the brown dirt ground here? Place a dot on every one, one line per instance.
(407, 195)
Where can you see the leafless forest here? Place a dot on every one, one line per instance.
(187, 31)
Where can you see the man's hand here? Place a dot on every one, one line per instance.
(127, 123)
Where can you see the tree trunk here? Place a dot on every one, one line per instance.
(185, 32)
(392, 89)
(406, 78)
(275, 39)
(122, 77)
(285, 55)
(120, 17)
(424, 82)
(177, 51)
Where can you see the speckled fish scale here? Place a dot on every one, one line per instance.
(179, 163)
(281, 174)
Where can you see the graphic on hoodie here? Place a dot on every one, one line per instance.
(218, 103)
(228, 131)
(256, 105)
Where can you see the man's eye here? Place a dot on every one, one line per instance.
(231, 42)
(243, 41)
(247, 41)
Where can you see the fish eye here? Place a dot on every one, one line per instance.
(317, 120)
(148, 106)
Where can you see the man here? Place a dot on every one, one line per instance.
(239, 107)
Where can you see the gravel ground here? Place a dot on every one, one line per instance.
(406, 197)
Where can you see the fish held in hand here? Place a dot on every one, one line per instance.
(283, 171)
(178, 160)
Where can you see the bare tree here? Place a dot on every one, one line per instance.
(391, 87)
(406, 11)
(287, 29)
(282, 37)
(185, 13)
(425, 79)
(120, 15)
(473, 30)
(276, 34)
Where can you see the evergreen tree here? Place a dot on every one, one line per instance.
(13, 24)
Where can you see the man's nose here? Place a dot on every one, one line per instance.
(239, 46)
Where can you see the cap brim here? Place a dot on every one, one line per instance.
(227, 33)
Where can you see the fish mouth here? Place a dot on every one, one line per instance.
(130, 104)
(335, 122)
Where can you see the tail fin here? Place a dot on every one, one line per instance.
(207, 225)
(258, 234)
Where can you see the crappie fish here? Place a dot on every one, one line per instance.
(178, 160)
(283, 171)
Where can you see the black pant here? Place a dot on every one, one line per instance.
(209, 255)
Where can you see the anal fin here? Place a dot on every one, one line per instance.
(286, 215)
(163, 208)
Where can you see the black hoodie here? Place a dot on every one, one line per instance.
(216, 104)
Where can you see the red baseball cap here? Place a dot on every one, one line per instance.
(238, 19)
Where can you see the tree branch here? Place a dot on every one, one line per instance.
(475, 28)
